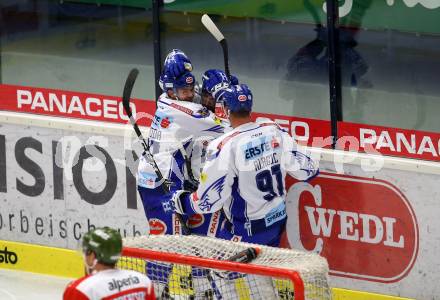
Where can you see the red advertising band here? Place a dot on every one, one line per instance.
(312, 132)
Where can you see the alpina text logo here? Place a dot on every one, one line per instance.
(365, 228)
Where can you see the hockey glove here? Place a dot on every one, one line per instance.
(176, 201)
(190, 185)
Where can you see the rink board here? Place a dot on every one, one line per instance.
(69, 263)
(41, 259)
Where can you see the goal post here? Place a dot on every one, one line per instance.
(195, 267)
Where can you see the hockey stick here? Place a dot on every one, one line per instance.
(126, 96)
(245, 256)
(213, 29)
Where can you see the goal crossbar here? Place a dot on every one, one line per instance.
(177, 258)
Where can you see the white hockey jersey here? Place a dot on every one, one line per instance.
(245, 175)
(179, 130)
(112, 284)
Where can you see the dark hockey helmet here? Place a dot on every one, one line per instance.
(176, 63)
(105, 242)
(236, 98)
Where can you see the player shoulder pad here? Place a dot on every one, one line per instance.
(191, 109)
(217, 145)
(267, 122)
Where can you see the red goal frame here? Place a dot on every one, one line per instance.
(176, 258)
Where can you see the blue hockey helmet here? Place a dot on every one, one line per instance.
(167, 82)
(214, 80)
(176, 64)
(236, 98)
(185, 80)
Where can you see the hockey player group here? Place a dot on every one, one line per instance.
(225, 169)
(225, 173)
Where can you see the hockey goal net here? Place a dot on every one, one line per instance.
(195, 267)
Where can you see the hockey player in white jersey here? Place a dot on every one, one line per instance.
(177, 126)
(245, 174)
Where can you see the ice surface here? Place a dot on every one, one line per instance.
(17, 285)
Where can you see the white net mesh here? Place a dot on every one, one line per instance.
(185, 281)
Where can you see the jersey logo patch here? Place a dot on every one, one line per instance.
(305, 163)
(275, 215)
(118, 284)
(214, 223)
(242, 98)
(157, 226)
(189, 80)
(212, 194)
(164, 123)
(162, 120)
(195, 221)
(147, 180)
(203, 177)
(275, 143)
(188, 66)
(181, 108)
(259, 147)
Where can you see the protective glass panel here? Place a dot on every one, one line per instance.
(390, 63)
(277, 48)
(87, 46)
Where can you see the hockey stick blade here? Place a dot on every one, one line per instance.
(245, 256)
(212, 28)
(128, 88)
(126, 96)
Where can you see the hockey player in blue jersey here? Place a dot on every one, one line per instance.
(245, 174)
(179, 125)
